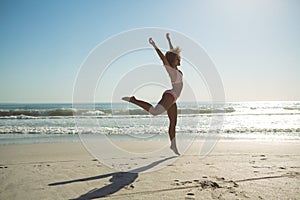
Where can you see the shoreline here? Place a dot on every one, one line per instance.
(233, 169)
(15, 139)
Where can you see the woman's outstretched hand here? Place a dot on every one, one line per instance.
(151, 42)
(168, 36)
(169, 40)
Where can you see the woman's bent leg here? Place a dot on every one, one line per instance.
(166, 101)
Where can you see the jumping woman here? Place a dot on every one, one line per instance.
(171, 61)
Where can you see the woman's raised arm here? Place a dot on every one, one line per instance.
(160, 54)
(167, 65)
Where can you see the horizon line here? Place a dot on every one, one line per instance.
(106, 102)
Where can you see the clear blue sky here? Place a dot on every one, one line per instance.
(255, 44)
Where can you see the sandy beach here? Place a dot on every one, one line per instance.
(235, 169)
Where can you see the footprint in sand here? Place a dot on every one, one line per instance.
(234, 183)
(190, 195)
(282, 168)
(129, 187)
(220, 178)
(209, 185)
(177, 183)
(262, 155)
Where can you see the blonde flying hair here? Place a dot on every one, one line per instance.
(173, 54)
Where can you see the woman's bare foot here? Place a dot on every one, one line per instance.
(174, 148)
(128, 99)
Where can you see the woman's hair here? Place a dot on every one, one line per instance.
(172, 55)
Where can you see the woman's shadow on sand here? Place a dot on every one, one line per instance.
(118, 181)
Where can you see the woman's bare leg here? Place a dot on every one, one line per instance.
(163, 105)
(172, 114)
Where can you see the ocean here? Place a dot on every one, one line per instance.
(31, 123)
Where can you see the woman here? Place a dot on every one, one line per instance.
(168, 101)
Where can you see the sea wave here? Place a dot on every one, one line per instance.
(37, 113)
(141, 130)
(29, 114)
(291, 108)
